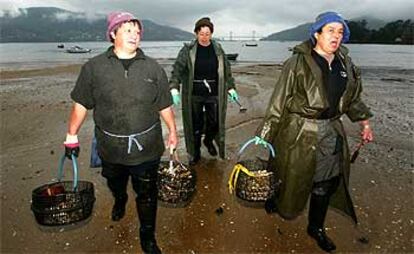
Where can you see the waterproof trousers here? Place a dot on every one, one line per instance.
(144, 183)
(204, 119)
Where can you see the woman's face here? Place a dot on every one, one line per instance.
(204, 35)
(127, 37)
(330, 37)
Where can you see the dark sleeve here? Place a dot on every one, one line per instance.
(179, 69)
(164, 98)
(82, 92)
(277, 104)
(230, 84)
(358, 111)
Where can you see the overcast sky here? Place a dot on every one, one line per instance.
(242, 17)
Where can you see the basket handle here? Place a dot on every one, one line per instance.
(250, 141)
(75, 170)
(173, 158)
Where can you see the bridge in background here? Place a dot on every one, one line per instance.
(233, 37)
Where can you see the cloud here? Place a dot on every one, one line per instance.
(63, 16)
(240, 16)
(8, 8)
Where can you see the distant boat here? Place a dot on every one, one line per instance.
(61, 46)
(78, 49)
(232, 57)
(250, 44)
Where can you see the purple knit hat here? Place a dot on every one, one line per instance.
(117, 18)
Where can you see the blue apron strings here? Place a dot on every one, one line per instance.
(132, 137)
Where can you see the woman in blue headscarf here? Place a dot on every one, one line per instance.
(317, 86)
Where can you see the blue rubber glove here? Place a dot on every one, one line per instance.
(176, 96)
(233, 96)
(260, 141)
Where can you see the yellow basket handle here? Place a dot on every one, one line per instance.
(235, 174)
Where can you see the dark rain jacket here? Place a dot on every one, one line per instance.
(298, 99)
(125, 102)
(183, 73)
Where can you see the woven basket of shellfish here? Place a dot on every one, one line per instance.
(256, 185)
(250, 179)
(176, 183)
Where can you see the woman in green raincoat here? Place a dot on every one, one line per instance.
(204, 72)
(318, 84)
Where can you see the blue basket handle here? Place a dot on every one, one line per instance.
(250, 141)
(75, 170)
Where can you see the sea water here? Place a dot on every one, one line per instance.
(39, 55)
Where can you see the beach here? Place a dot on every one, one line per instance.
(35, 106)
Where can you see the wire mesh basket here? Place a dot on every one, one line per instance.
(176, 182)
(251, 180)
(257, 184)
(63, 202)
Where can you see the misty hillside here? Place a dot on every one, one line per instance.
(372, 23)
(364, 30)
(299, 33)
(48, 24)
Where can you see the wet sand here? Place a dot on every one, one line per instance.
(34, 108)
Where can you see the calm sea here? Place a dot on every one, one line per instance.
(37, 55)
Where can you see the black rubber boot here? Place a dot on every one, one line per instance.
(210, 147)
(317, 212)
(195, 159)
(146, 201)
(197, 153)
(118, 210)
(118, 186)
(324, 242)
(148, 242)
(212, 123)
(270, 205)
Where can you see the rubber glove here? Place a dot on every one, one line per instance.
(176, 96)
(233, 95)
(71, 146)
(259, 141)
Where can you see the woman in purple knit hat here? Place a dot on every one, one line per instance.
(129, 94)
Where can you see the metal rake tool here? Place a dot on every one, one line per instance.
(356, 152)
(241, 108)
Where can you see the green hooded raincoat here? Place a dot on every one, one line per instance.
(299, 98)
(183, 73)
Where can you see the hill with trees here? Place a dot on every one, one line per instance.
(395, 32)
(49, 24)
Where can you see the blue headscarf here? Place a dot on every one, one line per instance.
(325, 18)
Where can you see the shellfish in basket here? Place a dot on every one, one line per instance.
(63, 202)
(250, 179)
(176, 182)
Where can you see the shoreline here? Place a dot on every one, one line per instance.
(74, 68)
(35, 72)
